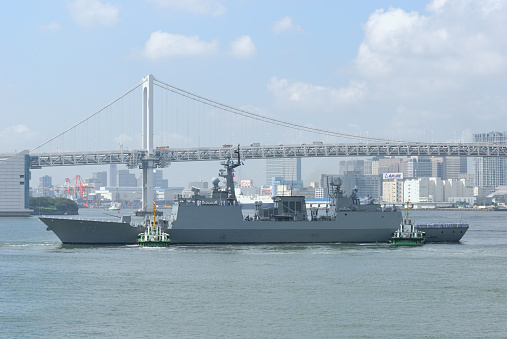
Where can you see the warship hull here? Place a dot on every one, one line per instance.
(81, 231)
(92, 232)
(225, 225)
(443, 232)
(214, 224)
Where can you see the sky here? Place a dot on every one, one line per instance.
(404, 70)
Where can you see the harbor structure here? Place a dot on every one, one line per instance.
(15, 185)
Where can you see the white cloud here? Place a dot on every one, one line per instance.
(165, 45)
(413, 45)
(417, 74)
(16, 137)
(51, 27)
(285, 24)
(295, 93)
(243, 47)
(203, 7)
(89, 13)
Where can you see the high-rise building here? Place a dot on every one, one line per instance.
(45, 185)
(126, 179)
(387, 165)
(408, 167)
(45, 181)
(287, 168)
(454, 166)
(113, 175)
(345, 166)
(99, 179)
(490, 171)
(158, 179)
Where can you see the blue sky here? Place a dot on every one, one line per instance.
(410, 70)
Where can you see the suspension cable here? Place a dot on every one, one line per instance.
(260, 117)
(91, 116)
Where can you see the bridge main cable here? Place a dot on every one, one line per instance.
(260, 117)
(91, 116)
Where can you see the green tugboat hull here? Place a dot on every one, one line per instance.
(406, 242)
(154, 244)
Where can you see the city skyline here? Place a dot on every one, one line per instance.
(387, 69)
(366, 176)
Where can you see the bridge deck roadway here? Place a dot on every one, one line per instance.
(163, 157)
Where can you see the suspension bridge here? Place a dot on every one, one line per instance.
(218, 125)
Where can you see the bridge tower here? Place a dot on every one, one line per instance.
(148, 162)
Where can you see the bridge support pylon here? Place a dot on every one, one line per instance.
(148, 165)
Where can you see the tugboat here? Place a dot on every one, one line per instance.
(407, 235)
(153, 236)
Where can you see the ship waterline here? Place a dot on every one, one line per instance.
(218, 219)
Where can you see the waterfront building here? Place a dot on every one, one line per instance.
(490, 172)
(456, 188)
(15, 185)
(416, 190)
(436, 189)
(392, 191)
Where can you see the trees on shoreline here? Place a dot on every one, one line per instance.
(58, 206)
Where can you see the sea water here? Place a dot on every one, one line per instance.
(255, 291)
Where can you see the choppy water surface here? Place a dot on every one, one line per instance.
(271, 291)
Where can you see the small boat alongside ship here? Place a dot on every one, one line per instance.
(115, 206)
(153, 236)
(407, 234)
(218, 219)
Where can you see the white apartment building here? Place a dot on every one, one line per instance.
(416, 190)
(435, 189)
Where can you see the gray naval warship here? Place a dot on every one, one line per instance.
(218, 219)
